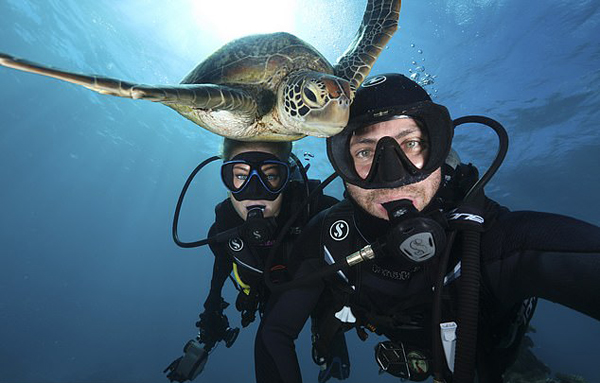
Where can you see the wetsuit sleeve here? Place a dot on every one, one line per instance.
(286, 313)
(549, 256)
(221, 269)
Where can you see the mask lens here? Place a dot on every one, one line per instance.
(369, 150)
(274, 175)
(235, 174)
(240, 174)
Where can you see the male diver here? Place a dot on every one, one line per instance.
(420, 255)
(262, 194)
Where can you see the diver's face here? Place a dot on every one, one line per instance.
(414, 143)
(271, 208)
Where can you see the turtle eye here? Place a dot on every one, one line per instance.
(312, 95)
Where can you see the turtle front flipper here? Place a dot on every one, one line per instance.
(380, 22)
(195, 96)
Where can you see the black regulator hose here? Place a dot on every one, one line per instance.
(468, 301)
(188, 245)
(502, 149)
(304, 176)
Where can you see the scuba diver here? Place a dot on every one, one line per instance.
(417, 253)
(265, 183)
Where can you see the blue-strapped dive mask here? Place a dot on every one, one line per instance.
(255, 176)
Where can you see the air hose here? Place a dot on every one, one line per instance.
(468, 300)
(189, 180)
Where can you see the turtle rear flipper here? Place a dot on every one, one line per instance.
(379, 23)
(195, 96)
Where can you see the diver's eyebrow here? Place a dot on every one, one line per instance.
(363, 140)
(366, 139)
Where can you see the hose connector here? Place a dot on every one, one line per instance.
(361, 255)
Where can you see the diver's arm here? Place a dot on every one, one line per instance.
(544, 255)
(221, 270)
(287, 312)
(285, 316)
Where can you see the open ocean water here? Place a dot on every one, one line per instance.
(92, 287)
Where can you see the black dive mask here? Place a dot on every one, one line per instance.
(413, 236)
(390, 165)
(255, 176)
(383, 98)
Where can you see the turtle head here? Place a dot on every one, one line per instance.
(314, 103)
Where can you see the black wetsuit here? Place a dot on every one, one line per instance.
(523, 254)
(250, 258)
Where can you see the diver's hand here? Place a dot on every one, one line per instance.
(213, 327)
(247, 305)
(248, 317)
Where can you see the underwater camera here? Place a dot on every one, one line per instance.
(195, 354)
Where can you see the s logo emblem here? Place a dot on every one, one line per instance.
(374, 81)
(236, 244)
(339, 230)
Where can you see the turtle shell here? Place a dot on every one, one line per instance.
(258, 62)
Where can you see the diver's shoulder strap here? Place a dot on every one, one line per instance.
(339, 234)
(338, 239)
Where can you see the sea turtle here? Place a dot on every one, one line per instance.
(268, 87)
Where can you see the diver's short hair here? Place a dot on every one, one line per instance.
(281, 149)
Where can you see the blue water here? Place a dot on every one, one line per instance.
(92, 288)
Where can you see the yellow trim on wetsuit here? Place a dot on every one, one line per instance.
(245, 287)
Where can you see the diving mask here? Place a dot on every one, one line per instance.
(384, 98)
(255, 176)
